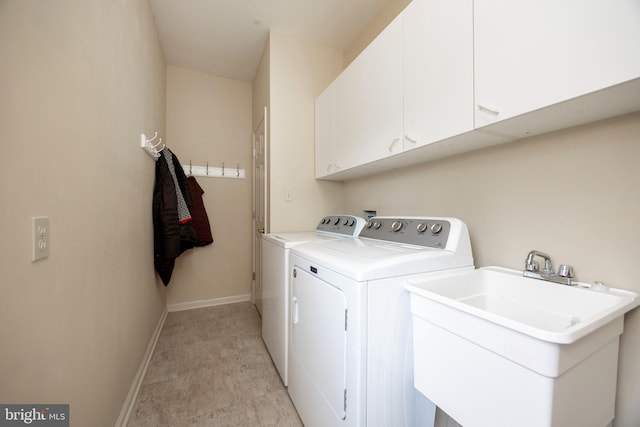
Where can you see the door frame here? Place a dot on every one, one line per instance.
(259, 204)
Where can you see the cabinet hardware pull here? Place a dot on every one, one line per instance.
(411, 140)
(393, 143)
(335, 166)
(488, 110)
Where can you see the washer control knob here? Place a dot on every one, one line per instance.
(337, 221)
(369, 224)
(351, 222)
(422, 227)
(377, 224)
(396, 226)
(436, 228)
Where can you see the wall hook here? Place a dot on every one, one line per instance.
(159, 142)
(212, 172)
(148, 146)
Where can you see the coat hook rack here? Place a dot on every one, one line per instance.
(213, 172)
(149, 147)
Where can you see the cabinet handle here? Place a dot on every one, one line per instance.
(333, 166)
(393, 143)
(411, 140)
(488, 110)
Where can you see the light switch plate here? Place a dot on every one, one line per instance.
(40, 237)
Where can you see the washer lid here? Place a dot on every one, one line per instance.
(290, 239)
(369, 259)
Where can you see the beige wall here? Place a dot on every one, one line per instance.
(572, 194)
(80, 80)
(209, 119)
(298, 73)
(390, 10)
(260, 87)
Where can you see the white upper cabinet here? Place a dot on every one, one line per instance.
(437, 70)
(450, 76)
(531, 54)
(368, 101)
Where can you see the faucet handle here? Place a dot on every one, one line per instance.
(531, 266)
(565, 271)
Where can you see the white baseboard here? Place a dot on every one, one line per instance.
(208, 303)
(130, 401)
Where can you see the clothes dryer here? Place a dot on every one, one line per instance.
(351, 349)
(275, 279)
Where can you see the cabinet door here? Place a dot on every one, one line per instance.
(368, 101)
(534, 53)
(325, 133)
(438, 70)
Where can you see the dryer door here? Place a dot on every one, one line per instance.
(317, 370)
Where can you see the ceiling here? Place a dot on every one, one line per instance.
(227, 37)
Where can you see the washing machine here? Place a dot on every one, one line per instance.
(275, 279)
(350, 349)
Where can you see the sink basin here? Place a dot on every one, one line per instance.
(544, 310)
(492, 347)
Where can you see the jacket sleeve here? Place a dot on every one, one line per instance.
(166, 228)
(182, 180)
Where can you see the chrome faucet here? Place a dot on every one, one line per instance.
(532, 270)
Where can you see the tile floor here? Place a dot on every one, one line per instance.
(211, 368)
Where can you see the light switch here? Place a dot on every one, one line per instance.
(40, 237)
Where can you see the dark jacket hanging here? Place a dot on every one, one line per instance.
(200, 220)
(170, 237)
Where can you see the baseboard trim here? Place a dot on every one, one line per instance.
(130, 400)
(208, 303)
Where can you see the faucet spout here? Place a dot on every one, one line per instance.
(531, 265)
(532, 270)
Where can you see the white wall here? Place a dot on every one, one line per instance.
(209, 119)
(572, 194)
(80, 80)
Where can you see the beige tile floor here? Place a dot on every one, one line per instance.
(211, 368)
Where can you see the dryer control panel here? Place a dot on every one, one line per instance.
(430, 232)
(344, 225)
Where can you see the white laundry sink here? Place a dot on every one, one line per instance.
(545, 310)
(492, 347)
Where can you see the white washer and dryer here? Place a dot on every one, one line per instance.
(351, 349)
(275, 279)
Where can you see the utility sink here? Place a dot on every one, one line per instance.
(492, 347)
(544, 310)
